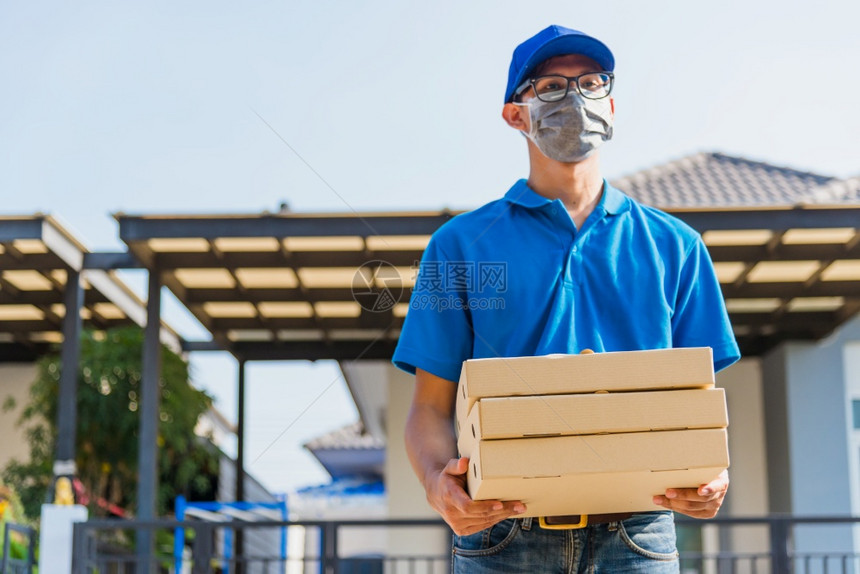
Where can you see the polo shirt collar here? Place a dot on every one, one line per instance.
(612, 201)
(522, 194)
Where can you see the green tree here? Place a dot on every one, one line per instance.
(109, 378)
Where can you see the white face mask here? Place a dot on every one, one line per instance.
(570, 129)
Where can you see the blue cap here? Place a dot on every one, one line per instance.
(551, 42)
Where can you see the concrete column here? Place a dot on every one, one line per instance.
(56, 536)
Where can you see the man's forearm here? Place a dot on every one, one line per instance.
(430, 440)
(432, 449)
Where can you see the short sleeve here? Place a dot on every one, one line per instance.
(700, 318)
(437, 332)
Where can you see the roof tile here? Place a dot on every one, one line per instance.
(718, 180)
(350, 437)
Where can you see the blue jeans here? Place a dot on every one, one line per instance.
(642, 543)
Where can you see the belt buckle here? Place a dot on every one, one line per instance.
(583, 522)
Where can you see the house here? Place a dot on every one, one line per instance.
(794, 399)
(355, 460)
(786, 247)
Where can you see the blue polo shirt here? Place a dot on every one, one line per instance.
(517, 278)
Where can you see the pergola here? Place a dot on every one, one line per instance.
(285, 286)
(44, 271)
(304, 286)
(291, 286)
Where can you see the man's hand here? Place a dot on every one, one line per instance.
(431, 444)
(446, 493)
(703, 502)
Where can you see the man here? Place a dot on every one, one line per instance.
(562, 263)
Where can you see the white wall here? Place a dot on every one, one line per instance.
(748, 490)
(15, 382)
(813, 474)
(352, 541)
(406, 497)
(851, 358)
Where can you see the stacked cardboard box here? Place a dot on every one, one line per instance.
(593, 433)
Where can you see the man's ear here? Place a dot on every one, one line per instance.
(612, 105)
(516, 116)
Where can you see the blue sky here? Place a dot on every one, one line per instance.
(153, 108)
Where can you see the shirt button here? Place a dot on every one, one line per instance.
(575, 249)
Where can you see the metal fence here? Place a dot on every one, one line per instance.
(779, 545)
(787, 544)
(18, 564)
(108, 547)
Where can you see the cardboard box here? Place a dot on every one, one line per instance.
(561, 415)
(681, 368)
(595, 474)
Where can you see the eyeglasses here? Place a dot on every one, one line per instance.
(594, 86)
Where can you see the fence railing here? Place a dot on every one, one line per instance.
(108, 546)
(16, 564)
(790, 544)
(786, 544)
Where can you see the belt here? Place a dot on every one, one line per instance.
(574, 521)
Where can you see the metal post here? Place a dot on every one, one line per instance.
(779, 533)
(149, 407)
(67, 411)
(240, 456)
(202, 552)
(330, 564)
(179, 533)
(31, 549)
(80, 548)
(7, 543)
(240, 435)
(284, 517)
